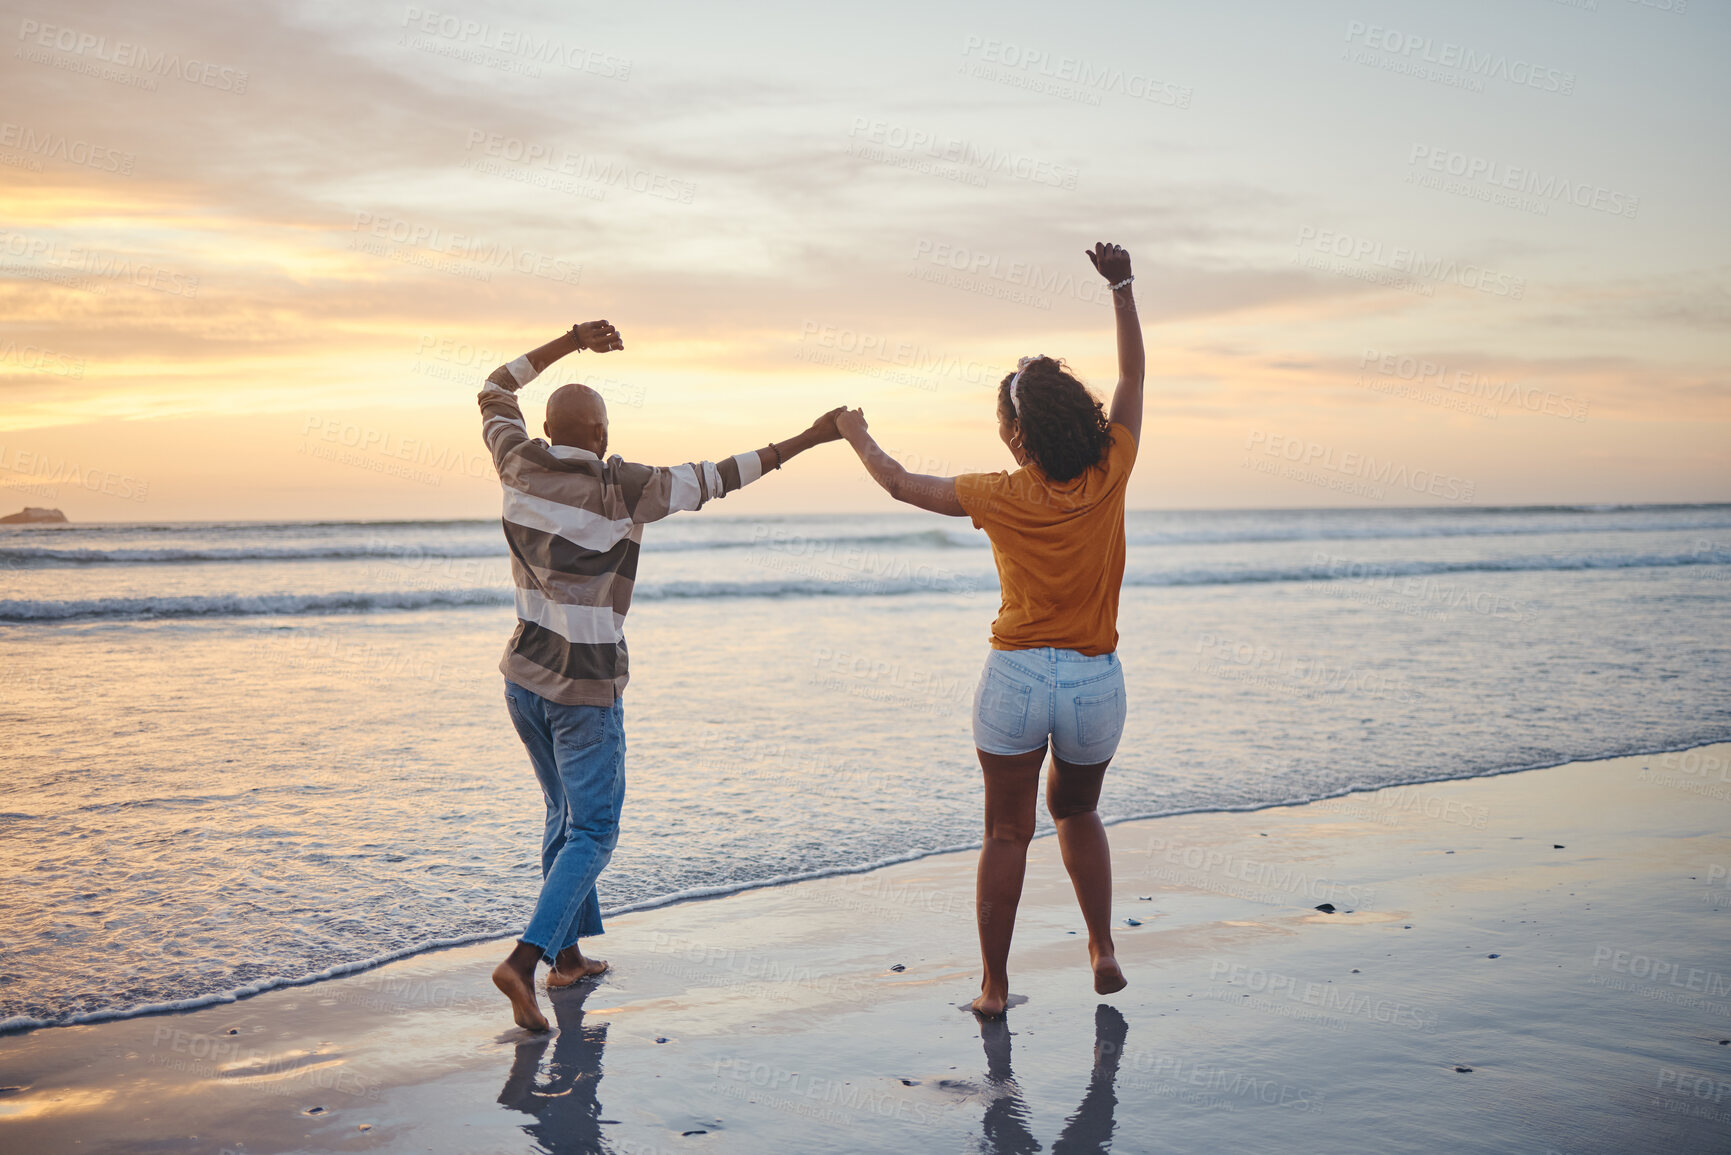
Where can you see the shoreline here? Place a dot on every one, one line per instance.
(1527, 961)
(13, 1026)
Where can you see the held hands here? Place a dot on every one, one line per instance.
(824, 428)
(1111, 261)
(598, 337)
(850, 423)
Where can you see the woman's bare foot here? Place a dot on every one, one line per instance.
(1108, 979)
(992, 1001)
(517, 982)
(571, 968)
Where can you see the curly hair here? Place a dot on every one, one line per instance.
(1064, 427)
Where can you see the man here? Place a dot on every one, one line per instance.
(574, 521)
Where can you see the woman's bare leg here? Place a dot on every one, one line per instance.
(1071, 795)
(1012, 789)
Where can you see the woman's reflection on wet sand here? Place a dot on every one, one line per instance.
(1088, 1130)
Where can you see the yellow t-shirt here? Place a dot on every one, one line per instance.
(1059, 548)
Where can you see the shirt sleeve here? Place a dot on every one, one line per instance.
(502, 425)
(653, 492)
(1123, 451)
(980, 493)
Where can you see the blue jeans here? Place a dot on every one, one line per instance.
(1029, 697)
(579, 755)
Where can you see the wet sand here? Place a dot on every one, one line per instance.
(1536, 962)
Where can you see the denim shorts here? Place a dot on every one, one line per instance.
(1026, 697)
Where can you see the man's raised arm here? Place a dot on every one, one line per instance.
(654, 492)
(501, 419)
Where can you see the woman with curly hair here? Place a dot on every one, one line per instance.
(1052, 679)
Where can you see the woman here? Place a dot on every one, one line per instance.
(1052, 677)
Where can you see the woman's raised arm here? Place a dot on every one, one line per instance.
(937, 494)
(1113, 263)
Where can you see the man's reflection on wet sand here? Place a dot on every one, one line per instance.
(1089, 1129)
(562, 1098)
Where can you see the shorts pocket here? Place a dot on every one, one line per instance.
(1002, 706)
(1100, 719)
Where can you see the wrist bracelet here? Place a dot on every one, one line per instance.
(773, 448)
(1122, 283)
(576, 336)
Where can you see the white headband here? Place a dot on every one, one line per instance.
(1016, 381)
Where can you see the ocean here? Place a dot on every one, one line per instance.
(240, 755)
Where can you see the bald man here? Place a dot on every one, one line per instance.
(574, 521)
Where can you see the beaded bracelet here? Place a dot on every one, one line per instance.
(1122, 283)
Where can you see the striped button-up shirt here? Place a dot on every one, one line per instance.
(574, 524)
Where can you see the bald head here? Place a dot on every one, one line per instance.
(576, 415)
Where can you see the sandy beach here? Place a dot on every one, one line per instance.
(1534, 962)
(464, 470)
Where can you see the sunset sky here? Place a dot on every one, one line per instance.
(258, 258)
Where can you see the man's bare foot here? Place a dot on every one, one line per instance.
(569, 971)
(1108, 979)
(520, 989)
(992, 1001)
